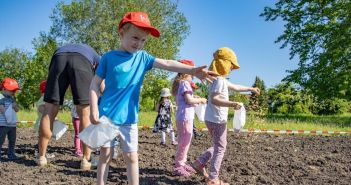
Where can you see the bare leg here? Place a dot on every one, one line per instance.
(46, 125)
(83, 112)
(131, 159)
(104, 165)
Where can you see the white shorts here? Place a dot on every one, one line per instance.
(128, 138)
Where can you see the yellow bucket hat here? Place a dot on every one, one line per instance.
(223, 58)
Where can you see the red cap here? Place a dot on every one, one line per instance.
(10, 84)
(193, 85)
(42, 86)
(139, 19)
(187, 62)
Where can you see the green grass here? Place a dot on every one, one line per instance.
(276, 121)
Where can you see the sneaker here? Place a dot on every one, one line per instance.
(12, 157)
(174, 143)
(163, 143)
(181, 171)
(85, 165)
(41, 161)
(88, 165)
(78, 154)
(199, 168)
(189, 169)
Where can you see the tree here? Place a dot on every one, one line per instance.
(287, 98)
(202, 90)
(259, 103)
(318, 32)
(36, 70)
(12, 63)
(151, 89)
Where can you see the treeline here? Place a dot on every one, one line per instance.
(316, 32)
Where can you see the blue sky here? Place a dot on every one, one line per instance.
(214, 24)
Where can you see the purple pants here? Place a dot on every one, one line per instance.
(214, 154)
(184, 135)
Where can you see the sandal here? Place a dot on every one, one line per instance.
(180, 171)
(189, 169)
(199, 168)
(217, 182)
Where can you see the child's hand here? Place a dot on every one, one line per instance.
(203, 100)
(15, 107)
(203, 74)
(256, 90)
(2, 109)
(94, 117)
(236, 105)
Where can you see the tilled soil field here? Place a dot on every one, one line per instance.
(249, 159)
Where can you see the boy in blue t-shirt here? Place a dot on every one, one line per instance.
(123, 71)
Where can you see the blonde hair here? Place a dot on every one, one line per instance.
(176, 82)
(129, 25)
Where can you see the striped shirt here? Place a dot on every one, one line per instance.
(6, 101)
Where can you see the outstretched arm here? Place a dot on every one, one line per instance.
(172, 65)
(241, 88)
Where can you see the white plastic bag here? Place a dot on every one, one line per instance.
(96, 136)
(59, 129)
(10, 115)
(239, 118)
(200, 112)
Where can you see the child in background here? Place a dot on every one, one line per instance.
(76, 122)
(217, 113)
(40, 104)
(163, 121)
(123, 71)
(183, 92)
(9, 87)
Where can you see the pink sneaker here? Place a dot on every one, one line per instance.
(174, 143)
(181, 171)
(189, 169)
(78, 154)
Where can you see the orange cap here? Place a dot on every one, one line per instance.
(139, 19)
(10, 84)
(42, 86)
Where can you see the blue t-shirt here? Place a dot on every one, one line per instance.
(83, 49)
(123, 73)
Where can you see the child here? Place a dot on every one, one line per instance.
(183, 92)
(40, 104)
(75, 121)
(7, 125)
(163, 121)
(123, 70)
(217, 112)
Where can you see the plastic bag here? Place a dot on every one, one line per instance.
(96, 136)
(239, 118)
(59, 129)
(200, 112)
(10, 115)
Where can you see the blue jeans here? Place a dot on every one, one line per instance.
(11, 136)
